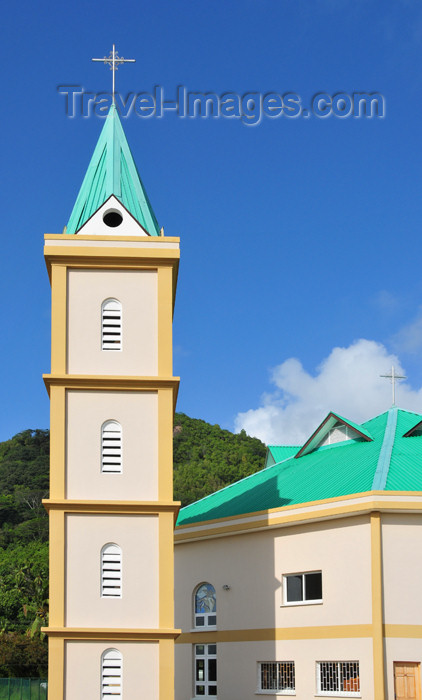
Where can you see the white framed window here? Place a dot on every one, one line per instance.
(339, 678)
(111, 325)
(205, 606)
(276, 677)
(111, 447)
(205, 670)
(111, 674)
(302, 588)
(111, 571)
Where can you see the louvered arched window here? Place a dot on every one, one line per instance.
(111, 447)
(111, 571)
(205, 606)
(111, 674)
(111, 325)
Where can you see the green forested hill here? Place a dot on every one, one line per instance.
(206, 458)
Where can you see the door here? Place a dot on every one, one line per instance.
(407, 680)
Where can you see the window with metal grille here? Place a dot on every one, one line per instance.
(302, 588)
(111, 571)
(111, 325)
(278, 676)
(205, 674)
(205, 606)
(111, 447)
(111, 674)
(338, 678)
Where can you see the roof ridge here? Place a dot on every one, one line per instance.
(383, 413)
(384, 459)
(276, 445)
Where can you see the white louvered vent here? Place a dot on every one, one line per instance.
(111, 447)
(111, 674)
(111, 325)
(339, 433)
(111, 571)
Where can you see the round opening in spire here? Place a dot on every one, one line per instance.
(112, 218)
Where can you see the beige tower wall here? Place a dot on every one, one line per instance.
(137, 412)
(137, 292)
(138, 538)
(140, 668)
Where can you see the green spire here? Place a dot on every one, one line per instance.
(112, 171)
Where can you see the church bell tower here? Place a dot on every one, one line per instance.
(112, 393)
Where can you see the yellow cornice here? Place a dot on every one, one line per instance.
(112, 383)
(150, 240)
(208, 530)
(110, 634)
(112, 507)
(110, 257)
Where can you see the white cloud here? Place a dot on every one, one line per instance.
(409, 338)
(347, 382)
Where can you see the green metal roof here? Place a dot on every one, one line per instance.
(389, 461)
(278, 453)
(112, 171)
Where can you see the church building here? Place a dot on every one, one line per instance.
(304, 579)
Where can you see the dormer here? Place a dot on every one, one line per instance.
(416, 431)
(333, 429)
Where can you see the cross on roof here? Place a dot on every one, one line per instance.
(394, 377)
(114, 61)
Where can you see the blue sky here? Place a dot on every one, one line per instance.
(298, 236)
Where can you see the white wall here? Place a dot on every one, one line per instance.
(402, 559)
(137, 535)
(253, 565)
(137, 412)
(137, 292)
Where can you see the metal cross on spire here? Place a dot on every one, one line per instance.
(394, 377)
(114, 61)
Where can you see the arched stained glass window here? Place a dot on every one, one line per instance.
(205, 606)
(111, 674)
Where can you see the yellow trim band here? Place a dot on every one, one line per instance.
(299, 633)
(277, 634)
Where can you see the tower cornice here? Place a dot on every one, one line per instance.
(111, 382)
